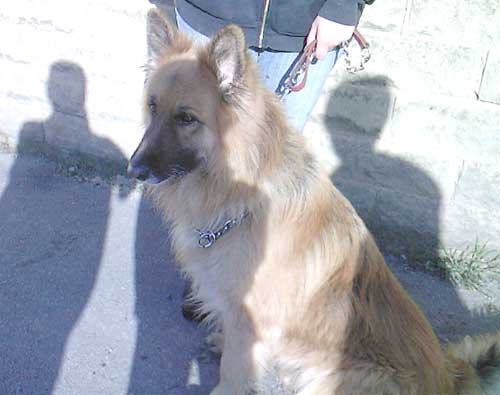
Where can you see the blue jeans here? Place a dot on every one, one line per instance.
(274, 67)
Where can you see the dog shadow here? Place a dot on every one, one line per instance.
(165, 360)
(399, 202)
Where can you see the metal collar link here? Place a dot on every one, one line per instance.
(207, 238)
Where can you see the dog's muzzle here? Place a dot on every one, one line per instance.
(139, 172)
(142, 173)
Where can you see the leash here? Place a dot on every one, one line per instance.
(297, 77)
(365, 53)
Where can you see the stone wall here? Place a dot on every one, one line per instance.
(413, 141)
(71, 74)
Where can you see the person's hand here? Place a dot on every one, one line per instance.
(328, 35)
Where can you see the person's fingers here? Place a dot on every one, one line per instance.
(321, 50)
(328, 34)
(322, 43)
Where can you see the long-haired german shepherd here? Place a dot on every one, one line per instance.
(289, 271)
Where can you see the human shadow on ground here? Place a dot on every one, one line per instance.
(399, 201)
(47, 267)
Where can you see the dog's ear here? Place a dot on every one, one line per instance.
(160, 36)
(227, 57)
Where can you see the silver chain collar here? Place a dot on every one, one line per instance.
(207, 238)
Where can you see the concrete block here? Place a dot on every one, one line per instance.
(401, 223)
(474, 211)
(407, 224)
(363, 106)
(384, 17)
(72, 133)
(66, 88)
(361, 196)
(490, 83)
(412, 159)
(444, 129)
(471, 22)
(84, 33)
(22, 109)
(76, 70)
(378, 169)
(22, 79)
(5, 144)
(422, 68)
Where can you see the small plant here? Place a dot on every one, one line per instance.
(468, 266)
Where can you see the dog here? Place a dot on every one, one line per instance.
(279, 259)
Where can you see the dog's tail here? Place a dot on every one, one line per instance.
(475, 365)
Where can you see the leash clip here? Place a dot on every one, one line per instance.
(206, 239)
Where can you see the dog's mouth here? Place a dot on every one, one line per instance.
(174, 174)
(150, 176)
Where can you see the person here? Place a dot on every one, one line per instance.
(276, 32)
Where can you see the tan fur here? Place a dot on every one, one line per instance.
(300, 286)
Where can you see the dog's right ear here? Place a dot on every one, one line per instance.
(160, 36)
(227, 58)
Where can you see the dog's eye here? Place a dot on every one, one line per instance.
(185, 119)
(152, 105)
(152, 108)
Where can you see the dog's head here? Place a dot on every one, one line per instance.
(187, 88)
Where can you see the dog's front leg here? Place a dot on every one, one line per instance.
(219, 390)
(238, 364)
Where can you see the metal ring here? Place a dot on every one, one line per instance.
(206, 239)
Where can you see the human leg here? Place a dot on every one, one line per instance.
(274, 67)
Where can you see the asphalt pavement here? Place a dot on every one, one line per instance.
(90, 297)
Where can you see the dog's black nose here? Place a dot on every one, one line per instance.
(141, 172)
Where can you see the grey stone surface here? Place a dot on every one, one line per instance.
(363, 106)
(490, 84)
(412, 154)
(475, 205)
(90, 299)
(447, 129)
(422, 68)
(475, 22)
(79, 59)
(408, 126)
(89, 295)
(387, 17)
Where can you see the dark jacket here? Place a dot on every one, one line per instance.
(280, 25)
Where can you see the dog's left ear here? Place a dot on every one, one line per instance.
(160, 35)
(227, 57)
